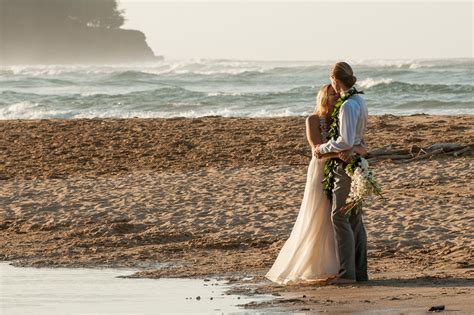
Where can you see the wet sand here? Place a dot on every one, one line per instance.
(218, 197)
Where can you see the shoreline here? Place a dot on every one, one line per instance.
(218, 197)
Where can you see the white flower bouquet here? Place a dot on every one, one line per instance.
(363, 184)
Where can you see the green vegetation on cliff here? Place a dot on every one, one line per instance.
(67, 31)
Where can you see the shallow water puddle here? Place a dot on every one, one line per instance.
(99, 291)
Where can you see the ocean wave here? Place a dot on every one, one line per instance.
(166, 90)
(222, 112)
(170, 91)
(37, 82)
(29, 110)
(53, 70)
(162, 90)
(32, 110)
(9, 96)
(223, 68)
(415, 63)
(389, 85)
(130, 75)
(225, 87)
(228, 66)
(203, 67)
(383, 63)
(369, 82)
(225, 94)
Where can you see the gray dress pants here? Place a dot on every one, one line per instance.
(349, 230)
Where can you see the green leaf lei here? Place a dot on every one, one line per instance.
(333, 134)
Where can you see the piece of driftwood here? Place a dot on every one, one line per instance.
(425, 156)
(372, 154)
(461, 152)
(445, 146)
(416, 153)
(393, 157)
(381, 150)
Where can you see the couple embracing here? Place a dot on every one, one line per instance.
(327, 244)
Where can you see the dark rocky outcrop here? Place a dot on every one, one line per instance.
(67, 31)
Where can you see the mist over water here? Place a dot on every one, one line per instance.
(231, 88)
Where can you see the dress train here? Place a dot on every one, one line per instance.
(309, 254)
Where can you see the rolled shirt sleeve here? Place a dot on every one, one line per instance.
(348, 117)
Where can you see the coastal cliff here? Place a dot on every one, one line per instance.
(67, 31)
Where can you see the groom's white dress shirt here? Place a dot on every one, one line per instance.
(353, 117)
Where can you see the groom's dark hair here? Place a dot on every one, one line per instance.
(343, 72)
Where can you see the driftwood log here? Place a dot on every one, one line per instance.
(416, 153)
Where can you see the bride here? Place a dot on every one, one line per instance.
(309, 254)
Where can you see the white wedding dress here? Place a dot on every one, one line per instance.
(309, 254)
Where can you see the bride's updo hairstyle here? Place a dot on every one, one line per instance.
(322, 106)
(343, 72)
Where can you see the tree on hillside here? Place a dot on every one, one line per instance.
(37, 14)
(93, 13)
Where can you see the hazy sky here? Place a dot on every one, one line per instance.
(311, 30)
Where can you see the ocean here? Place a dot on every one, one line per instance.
(229, 88)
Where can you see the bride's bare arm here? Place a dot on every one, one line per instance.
(313, 135)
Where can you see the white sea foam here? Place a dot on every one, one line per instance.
(18, 110)
(370, 82)
(395, 63)
(219, 66)
(194, 113)
(191, 66)
(28, 110)
(225, 94)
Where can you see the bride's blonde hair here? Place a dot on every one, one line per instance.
(322, 106)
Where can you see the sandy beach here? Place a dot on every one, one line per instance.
(218, 196)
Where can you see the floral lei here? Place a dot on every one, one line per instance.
(333, 134)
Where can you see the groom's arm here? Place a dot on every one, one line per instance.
(347, 129)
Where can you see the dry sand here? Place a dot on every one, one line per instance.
(218, 197)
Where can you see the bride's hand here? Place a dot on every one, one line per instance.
(345, 155)
(316, 152)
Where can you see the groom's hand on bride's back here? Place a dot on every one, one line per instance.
(346, 155)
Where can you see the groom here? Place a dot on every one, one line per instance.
(349, 230)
